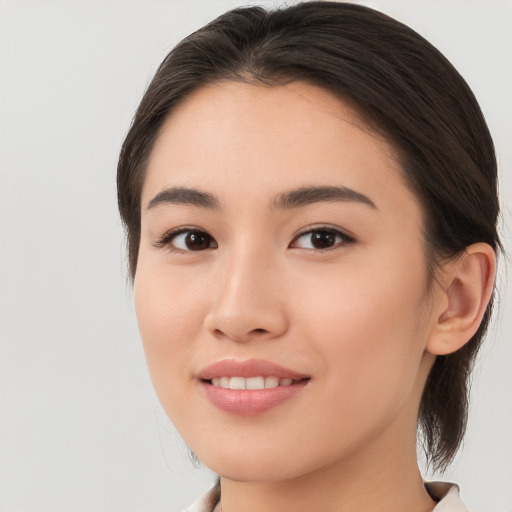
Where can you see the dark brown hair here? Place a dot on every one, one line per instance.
(404, 87)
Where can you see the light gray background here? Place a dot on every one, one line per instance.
(81, 428)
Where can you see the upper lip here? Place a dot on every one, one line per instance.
(248, 368)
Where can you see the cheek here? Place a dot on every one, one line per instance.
(380, 295)
(367, 329)
(169, 315)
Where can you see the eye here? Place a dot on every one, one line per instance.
(185, 240)
(321, 239)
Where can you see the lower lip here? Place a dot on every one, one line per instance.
(248, 402)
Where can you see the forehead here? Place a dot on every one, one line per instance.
(258, 110)
(248, 139)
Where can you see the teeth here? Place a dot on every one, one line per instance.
(271, 382)
(255, 383)
(237, 383)
(250, 382)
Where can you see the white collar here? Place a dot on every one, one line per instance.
(447, 495)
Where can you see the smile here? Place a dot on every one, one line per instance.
(249, 387)
(250, 383)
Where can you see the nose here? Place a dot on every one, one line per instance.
(248, 299)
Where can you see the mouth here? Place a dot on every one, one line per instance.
(250, 387)
(254, 383)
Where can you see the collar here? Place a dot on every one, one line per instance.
(445, 493)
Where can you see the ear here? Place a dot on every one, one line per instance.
(466, 288)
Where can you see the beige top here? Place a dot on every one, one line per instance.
(445, 493)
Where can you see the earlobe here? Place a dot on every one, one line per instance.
(467, 287)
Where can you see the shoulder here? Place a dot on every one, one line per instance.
(447, 496)
(207, 502)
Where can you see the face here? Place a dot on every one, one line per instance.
(280, 247)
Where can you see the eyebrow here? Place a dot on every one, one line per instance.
(304, 196)
(296, 198)
(183, 195)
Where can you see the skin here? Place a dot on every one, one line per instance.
(358, 318)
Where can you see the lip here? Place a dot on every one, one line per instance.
(248, 368)
(248, 402)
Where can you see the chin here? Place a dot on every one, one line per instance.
(262, 473)
(241, 468)
(259, 464)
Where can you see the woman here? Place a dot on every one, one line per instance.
(310, 202)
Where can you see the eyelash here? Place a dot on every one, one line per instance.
(166, 239)
(345, 238)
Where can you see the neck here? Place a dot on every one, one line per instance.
(374, 479)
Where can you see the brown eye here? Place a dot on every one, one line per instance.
(321, 239)
(197, 240)
(188, 240)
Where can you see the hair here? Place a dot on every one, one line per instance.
(405, 89)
